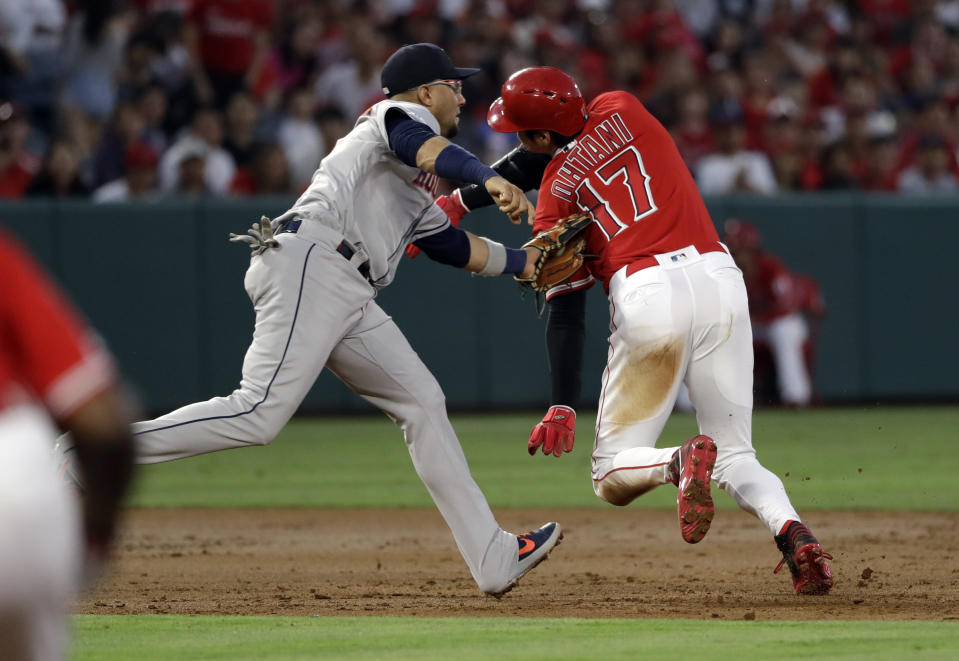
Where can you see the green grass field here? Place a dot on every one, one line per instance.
(827, 458)
(897, 458)
(164, 637)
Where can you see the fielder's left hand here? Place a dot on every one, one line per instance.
(259, 237)
(556, 432)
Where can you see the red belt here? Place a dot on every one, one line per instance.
(650, 260)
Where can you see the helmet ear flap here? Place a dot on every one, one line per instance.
(543, 98)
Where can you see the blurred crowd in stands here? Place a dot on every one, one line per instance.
(153, 98)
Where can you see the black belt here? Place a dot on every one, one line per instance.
(291, 226)
(344, 248)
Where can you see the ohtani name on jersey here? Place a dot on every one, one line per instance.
(605, 139)
(427, 181)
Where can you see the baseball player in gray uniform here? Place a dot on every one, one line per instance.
(313, 278)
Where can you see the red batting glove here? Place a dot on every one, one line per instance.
(556, 432)
(452, 205)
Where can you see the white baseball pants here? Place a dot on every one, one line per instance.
(786, 337)
(686, 319)
(40, 540)
(314, 309)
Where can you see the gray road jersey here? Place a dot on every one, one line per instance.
(363, 191)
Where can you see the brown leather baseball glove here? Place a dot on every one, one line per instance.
(561, 253)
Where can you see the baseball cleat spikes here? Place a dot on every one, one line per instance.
(805, 558)
(693, 468)
(533, 547)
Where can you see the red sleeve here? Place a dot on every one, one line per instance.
(547, 212)
(195, 11)
(774, 293)
(262, 15)
(50, 350)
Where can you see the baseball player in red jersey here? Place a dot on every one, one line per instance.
(52, 371)
(678, 313)
(779, 302)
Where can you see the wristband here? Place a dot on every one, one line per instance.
(502, 259)
(495, 260)
(515, 261)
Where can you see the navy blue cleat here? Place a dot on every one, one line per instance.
(532, 548)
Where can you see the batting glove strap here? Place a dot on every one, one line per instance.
(556, 432)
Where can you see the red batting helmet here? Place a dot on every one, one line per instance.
(538, 99)
(740, 235)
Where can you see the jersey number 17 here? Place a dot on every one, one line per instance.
(617, 193)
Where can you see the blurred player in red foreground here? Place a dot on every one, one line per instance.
(782, 306)
(53, 372)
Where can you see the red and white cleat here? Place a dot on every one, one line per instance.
(691, 469)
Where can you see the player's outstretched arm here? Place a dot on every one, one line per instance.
(483, 256)
(440, 156)
(103, 443)
(478, 254)
(520, 167)
(414, 143)
(565, 339)
(510, 200)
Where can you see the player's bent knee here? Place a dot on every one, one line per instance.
(262, 430)
(431, 398)
(614, 492)
(423, 405)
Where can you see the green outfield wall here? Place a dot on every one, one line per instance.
(165, 289)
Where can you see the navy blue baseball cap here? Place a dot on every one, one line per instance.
(416, 64)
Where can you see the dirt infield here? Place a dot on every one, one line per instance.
(612, 563)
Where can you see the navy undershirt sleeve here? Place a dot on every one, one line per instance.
(565, 339)
(454, 162)
(406, 135)
(450, 246)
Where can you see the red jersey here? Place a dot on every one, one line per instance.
(46, 353)
(625, 168)
(227, 30)
(16, 178)
(773, 290)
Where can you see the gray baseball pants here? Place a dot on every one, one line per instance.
(314, 310)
